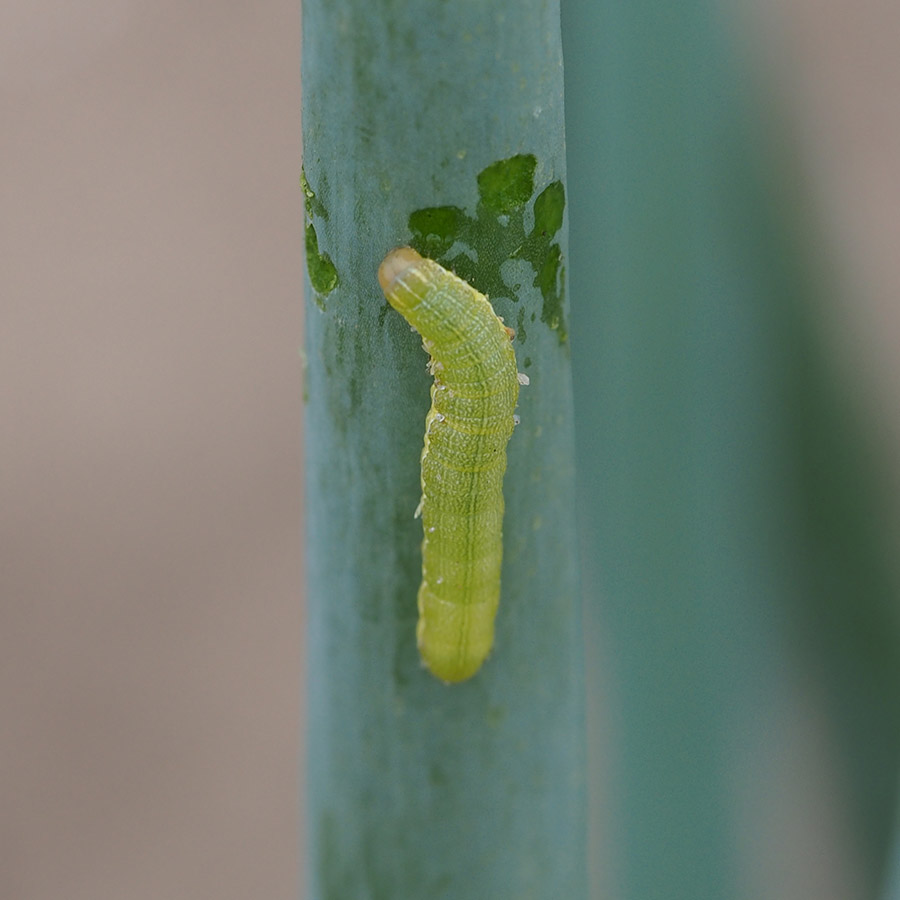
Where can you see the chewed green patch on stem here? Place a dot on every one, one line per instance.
(323, 275)
(496, 233)
(472, 416)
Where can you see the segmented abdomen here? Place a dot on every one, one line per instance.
(463, 461)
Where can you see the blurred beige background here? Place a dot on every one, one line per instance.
(150, 385)
(150, 488)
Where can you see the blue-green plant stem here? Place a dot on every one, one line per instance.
(439, 125)
(733, 528)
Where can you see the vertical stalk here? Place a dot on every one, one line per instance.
(439, 125)
(734, 529)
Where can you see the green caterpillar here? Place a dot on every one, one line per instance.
(472, 416)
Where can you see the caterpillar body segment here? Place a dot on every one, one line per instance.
(473, 401)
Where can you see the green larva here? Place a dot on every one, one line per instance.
(472, 416)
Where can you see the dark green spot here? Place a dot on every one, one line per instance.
(435, 229)
(549, 280)
(546, 257)
(507, 185)
(323, 274)
(496, 232)
(549, 208)
(527, 362)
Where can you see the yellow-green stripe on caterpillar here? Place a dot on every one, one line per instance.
(472, 416)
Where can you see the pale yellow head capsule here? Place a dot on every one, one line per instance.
(394, 263)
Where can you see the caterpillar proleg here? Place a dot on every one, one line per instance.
(473, 399)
